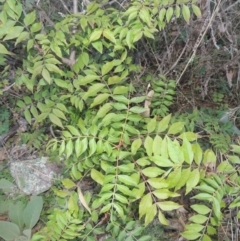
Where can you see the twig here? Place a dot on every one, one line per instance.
(8, 87)
(178, 59)
(65, 7)
(231, 6)
(200, 38)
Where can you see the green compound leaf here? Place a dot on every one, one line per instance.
(72, 205)
(125, 190)
(217, 208)
(164, 194)
(98, 46)
(104, 110)
(190, 136)
(119, 209)
(46, 76)
(121, 90)
(186, 13)
(13, 32)
(206, 238)
(59, 113)
(106, 208)
(3, 50)
(152, 125)
(128, 180)
(191, 235)
(150, 214)
(145, 204)
(87, 79)
(187, 151)
(148, 144)
(96, 34)
(169, 14)
(75, 173)
(137, 109)
(121, 198)
(73, 130)
(136, 145)
(62, 148)
(201, 209)
(225, 167)
(99, 99)
(200, 219)
(185, 174)
(158, 183)
(97, 176)
(114, 80)
(162, 218)
(168, 205)
(196, 10)
(156, 145)
(109, 35)
(175, 128)
(23, 36)
(177, 11)
(67, 183)
(93, 90)
(162, 14)
(92, 147)
(78, 147)
(193, 180)
(107, 67)
(55, 120)
(198, 154)
(152, 171)
(145, 16)
(162, 161)
(174, 151)
(194, 227)
(69, 148)
(28, 116)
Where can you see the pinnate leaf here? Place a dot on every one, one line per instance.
(148, 144)
(136, 145)
(193, 180)
(201, 209)
(97, 176)
(175, 128)
(128, 180)
(67, 183)
(145, 204)
(168, 205)
(55, 120)
(186, 13)
(191, 235)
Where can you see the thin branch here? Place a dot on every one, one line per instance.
(233, 5)
(8, 87)
(199, 40)
(65, 7)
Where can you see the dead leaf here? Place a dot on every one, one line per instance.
(2, 154)
(82, 200)
(229, 74)
(147, 103)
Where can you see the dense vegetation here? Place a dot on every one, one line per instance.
(97, 102)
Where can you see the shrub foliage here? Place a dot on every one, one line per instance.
(109, 128)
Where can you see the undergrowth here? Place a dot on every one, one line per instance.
(105, 127)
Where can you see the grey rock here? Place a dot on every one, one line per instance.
(34, 176)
